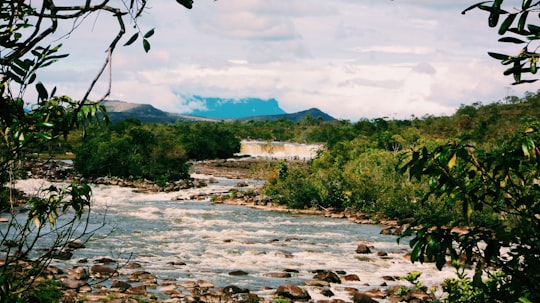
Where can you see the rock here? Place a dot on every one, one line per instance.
(389, 278)
(278, 275)
(71, 283)
(238, 273)
(362, 298)
(120, 286)
(232, 289)
(75, 245)
(292, 292)
(189, 284)
(363, 249)
(204, 284)
(169, 290)
(137, 290)
(316, 283)
(62, 255)
(133, 265)
(105, 261)
(375, 293)
(382, 254)
(77, 273)
(327, 276)
(327, 292)
(351, 277)
(102, 271)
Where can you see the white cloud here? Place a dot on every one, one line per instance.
(352, 59)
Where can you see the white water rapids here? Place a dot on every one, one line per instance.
(214, 240)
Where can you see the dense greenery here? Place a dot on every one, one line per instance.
(517, 24)
(157, 152)
(472, 188)
(31, 124)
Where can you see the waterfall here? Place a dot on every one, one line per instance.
(279, 150)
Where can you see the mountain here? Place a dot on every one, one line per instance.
(220, 108)
(121, 110)
(314, 113)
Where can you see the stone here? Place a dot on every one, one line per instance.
(169, 290)
(204, 284)
(327, 276)
(292, 292)
(238, 273)
(133, 265)
(75, 245)
(363, 249)
(137, 290)
(316, 283)
(104, 260)
(327, 292)
(77, 273)
(351, 277)
(278, 275)
(102, 271)
(71, 283)
(362, 298)
(120, 286)
(382, 254)
(233, 289)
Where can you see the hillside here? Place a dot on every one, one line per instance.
(314, 113)
(222, 108)
(121, 110)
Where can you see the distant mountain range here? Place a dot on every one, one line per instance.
(220, 108)
(121, 110)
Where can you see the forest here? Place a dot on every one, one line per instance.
(476, 169)
(468, 181)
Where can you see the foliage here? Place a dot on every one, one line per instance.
(159, 152)
(503, 182)
(516, 25)
(26, 126)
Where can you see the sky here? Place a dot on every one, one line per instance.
(353, 59)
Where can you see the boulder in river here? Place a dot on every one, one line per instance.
(363, 249)
(328, 276)
(292, 292)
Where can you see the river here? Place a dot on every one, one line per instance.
(212, 240)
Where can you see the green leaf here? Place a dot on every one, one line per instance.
(186, 3)
(527, 146)
(535, 30)
(473, 7)
(146, 45)
(132, 39)
(149, 33)
(506, 23)
(42, 91)
(498, 56)
(511, 40)
(522, 20)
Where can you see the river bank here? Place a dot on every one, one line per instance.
(296, 278)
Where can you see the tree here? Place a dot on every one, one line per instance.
(517, 25)
(25, 29)
(503, 246)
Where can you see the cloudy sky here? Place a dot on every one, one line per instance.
(351, 58)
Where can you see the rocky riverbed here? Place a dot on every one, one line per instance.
(110, 280)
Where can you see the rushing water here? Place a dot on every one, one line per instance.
(214, 240)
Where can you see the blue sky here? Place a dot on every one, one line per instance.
(351, 58)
